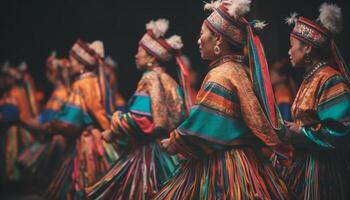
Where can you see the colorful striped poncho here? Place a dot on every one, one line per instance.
(88, 157)
(14, 107)
(41, 158)
(221, 142)
(320, 168)
(155, 109)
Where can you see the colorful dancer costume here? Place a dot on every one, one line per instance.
(16, 108)
(80, 121)
(156, 108)
(221, 140)
(320, 168)
(42, 157)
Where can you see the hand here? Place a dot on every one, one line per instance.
(293, 127)
(166, 145)
(108, 136)
(117, 113)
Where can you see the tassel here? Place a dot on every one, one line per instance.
(340, 61)
(261, 78)
(105, 90)
(184, 77)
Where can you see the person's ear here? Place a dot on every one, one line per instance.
(218, 40)
(307, 48)
(151, 59)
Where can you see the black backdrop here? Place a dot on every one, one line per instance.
(31, 29)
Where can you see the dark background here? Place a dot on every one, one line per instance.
(31, 29)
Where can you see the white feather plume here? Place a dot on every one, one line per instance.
(212, 5)
(5, 66)
(175, 42)
(98, 47)
(292, 19)
(259, 25)
(236, 8)
(159, 27)
(23, 66)
(111, 62)
(53, 53)
(331, 17)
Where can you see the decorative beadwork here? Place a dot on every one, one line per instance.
(155, 47)
(218, 21)
(314, 69)
(311, 32)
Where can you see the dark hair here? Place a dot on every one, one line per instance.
(323, 53)
(228, 44)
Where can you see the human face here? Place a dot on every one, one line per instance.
(143, 59)
(76, 66)
(51, 75)
(297, 52)
(207, 41)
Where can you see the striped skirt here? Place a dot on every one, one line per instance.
(237, 174)
(319, 175)
(87, 160)
(138, 174)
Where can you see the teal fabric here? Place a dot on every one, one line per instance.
(140, 104)
(331, 114)
(337, 108)
(216, 128)
(221, 91)
(74, 115)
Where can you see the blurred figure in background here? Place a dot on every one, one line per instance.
(43, 157)
(81, 121)
(284, 87)
(17, 107)
(111, 68)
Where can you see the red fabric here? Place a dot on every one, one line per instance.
(185, 81)
(144, 123)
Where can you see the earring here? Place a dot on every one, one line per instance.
(217, 50)
(149, 64)
(307, 58)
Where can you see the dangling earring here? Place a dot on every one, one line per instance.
(217, 50)
(307, 58)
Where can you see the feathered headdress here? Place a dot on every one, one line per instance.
(320, 33)
(176, 44)
(228, 20)
(158, 27)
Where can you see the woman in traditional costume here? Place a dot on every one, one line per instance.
(233, 118)
(156, 107)
(80, 121)
(42, 157)
(321, 110)
(16, 108)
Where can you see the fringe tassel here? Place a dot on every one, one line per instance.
(261, 79)
(184, 76)
(338, 58)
